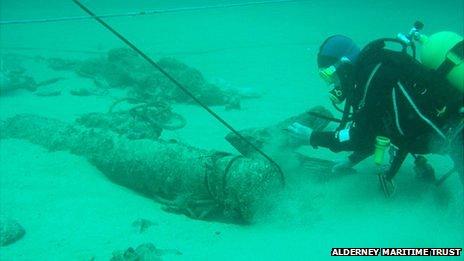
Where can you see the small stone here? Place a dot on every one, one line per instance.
(144, 252)
(233, 104)
(82, 91)
(10, 231)
(142, 224)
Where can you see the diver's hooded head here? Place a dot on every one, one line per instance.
(335, 60)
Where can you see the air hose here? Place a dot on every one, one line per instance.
(180, 86)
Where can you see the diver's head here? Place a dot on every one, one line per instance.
(335, 60)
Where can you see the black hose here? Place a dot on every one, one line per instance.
(180, 86)
(318, 115)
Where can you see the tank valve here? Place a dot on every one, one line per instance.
(413, 35)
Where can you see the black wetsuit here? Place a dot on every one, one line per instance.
(394, 96)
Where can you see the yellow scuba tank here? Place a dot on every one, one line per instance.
(444, 52)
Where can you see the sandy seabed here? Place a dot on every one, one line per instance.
(71, 211)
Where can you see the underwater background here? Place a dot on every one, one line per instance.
(266, 53)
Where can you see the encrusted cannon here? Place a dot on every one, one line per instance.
(199, 183)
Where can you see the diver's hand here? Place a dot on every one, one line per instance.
(343, 166)
(300, 132)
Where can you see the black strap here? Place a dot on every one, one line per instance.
(381, 43)
(447, 65)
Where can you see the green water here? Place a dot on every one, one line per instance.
(70, 211)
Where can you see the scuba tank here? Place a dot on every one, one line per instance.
(444, 52)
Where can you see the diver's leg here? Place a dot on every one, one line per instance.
(457, 155)
(396, 164)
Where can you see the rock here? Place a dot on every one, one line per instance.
(50, 81)
(12, 81)
(86, 87)
(10, 231)
(47, 91)
(233, 104)
(248, 93)
(81, 91)
(144, 252)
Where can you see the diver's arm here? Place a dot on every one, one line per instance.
(357, 137)
(342, 141)
(360, 135)
(330, 140)
(349, 139)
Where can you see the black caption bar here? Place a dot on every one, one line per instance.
(396, 251)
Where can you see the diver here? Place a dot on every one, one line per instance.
(388, 94)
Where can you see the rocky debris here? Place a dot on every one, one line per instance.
(15, 80)
(14, 76)
(144, 252)
(86, 87)
(126, 124)
(123, 68)
(10, 231)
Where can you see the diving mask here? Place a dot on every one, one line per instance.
(329, 75)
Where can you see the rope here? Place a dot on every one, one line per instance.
(147, 12)
(172, 53)
(180, 86)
